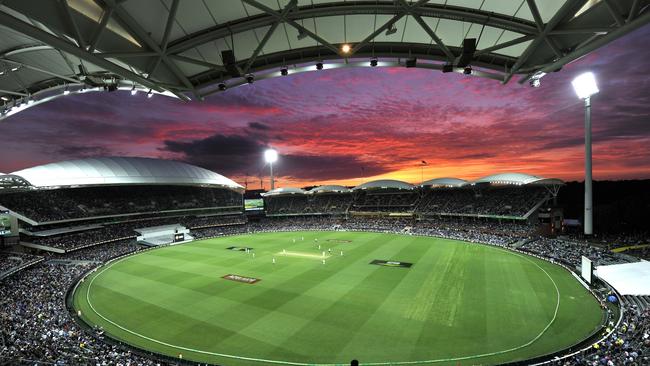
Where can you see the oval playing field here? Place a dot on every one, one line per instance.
(456, 303)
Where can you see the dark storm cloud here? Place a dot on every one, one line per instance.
(318, 167)
(236, 154)
(259, 126)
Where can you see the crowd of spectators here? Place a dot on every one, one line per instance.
(86, 202)
(618, 240)
(331, 203)
(570, 252)
(494, 201)
(85, 238)
(104, 252)
(490, 232)
(36, 327)
(76, 240)
(491, 201)
(12, 260)
(628, 345)
(385, 200)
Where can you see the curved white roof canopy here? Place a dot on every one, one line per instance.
(385, 183)
(517, 179)
(445, 182)
(283, 191)
(122, 171)
(330, 189)
(177, 46)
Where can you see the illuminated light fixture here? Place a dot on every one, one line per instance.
(150, 94)
(391, 30)
(134, 91)
(5, 98)
(284, 71)
(319, 66)
(250, 78)
(585, 85)
(536, 80)
(15, 68)
(2, 72)
(66, 91)
(346, 48)
(467, 70)
(222, 86)
(373, 62)
(271, 156)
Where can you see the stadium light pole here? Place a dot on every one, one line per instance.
(585, 86)
(271, 156)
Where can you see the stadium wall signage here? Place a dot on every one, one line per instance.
(243, 279)
(384, 263)
(239, 249)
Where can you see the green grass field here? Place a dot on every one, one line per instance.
(459, 303)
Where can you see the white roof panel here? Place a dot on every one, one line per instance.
(122, 170)
(447, 182)
(517, 179)
(330, 189)
(283, 191)
(385, 183)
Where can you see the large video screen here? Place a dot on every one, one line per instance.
(256, 204)
(5, 223)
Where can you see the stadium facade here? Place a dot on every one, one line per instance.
(63, 197)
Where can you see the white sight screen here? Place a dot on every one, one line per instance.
(587, 269)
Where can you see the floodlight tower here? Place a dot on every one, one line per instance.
(271, 156)
(585, 86)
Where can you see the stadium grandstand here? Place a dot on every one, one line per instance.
(93, 200)
(74, 216)
(512, 196)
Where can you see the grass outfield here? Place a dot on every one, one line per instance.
(458, 301)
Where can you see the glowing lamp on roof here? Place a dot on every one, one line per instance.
(271, 156)
(346, 48)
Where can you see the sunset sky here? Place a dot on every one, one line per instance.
(351, 125)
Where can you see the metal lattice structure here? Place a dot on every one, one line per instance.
(191, 49)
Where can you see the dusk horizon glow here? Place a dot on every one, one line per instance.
(351, 125)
